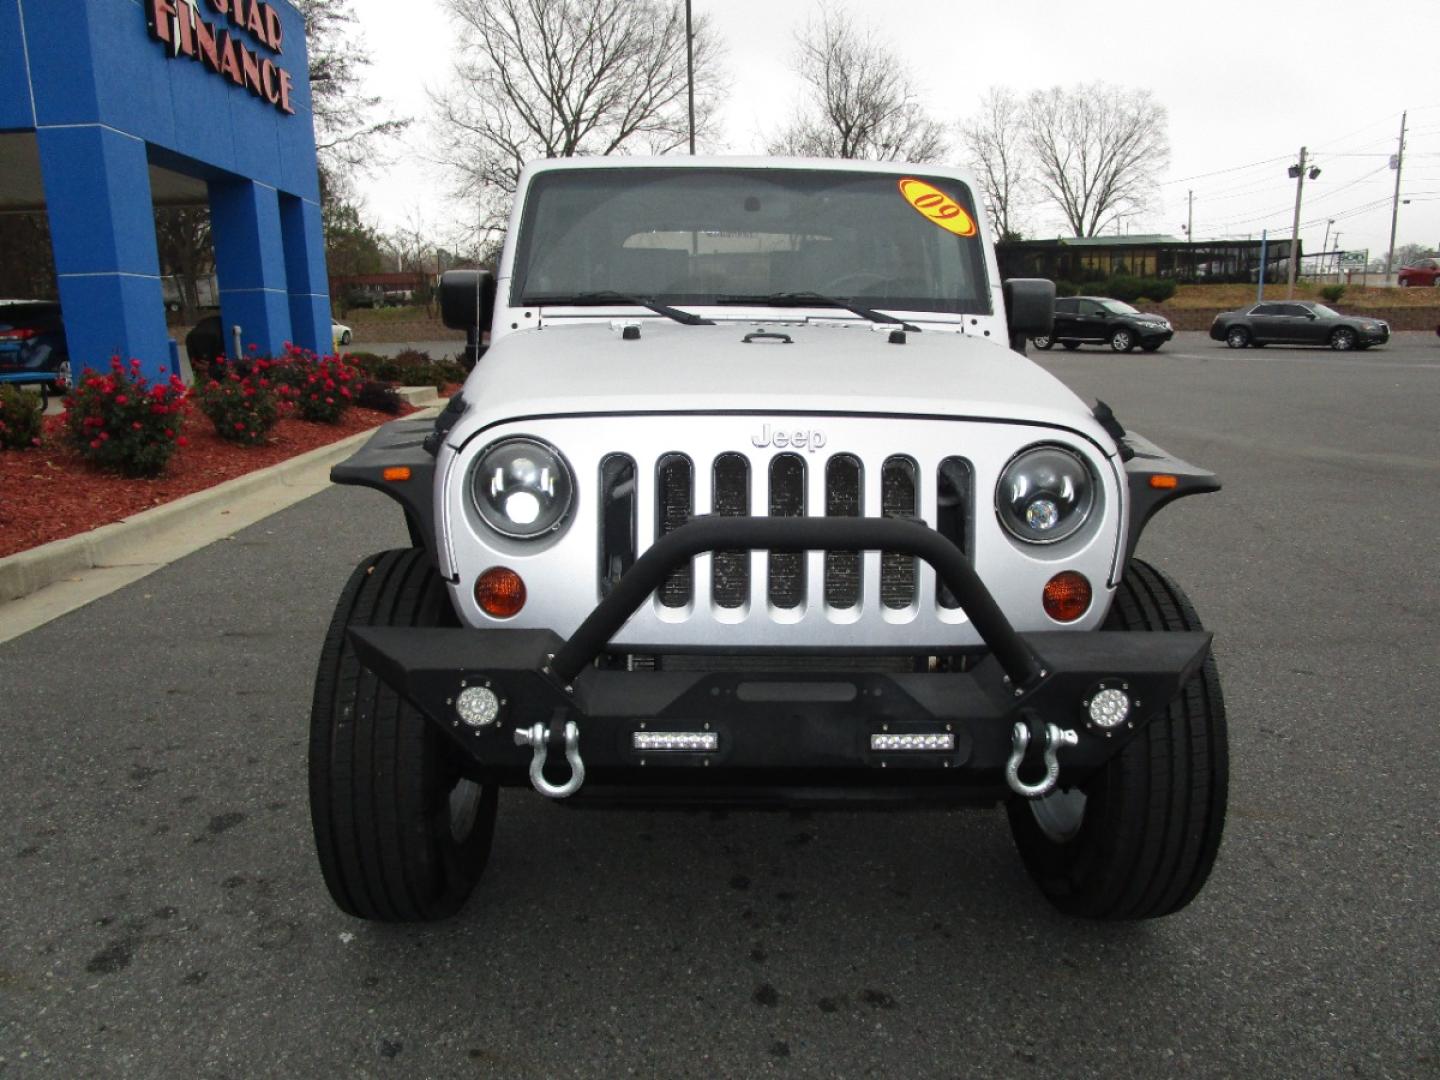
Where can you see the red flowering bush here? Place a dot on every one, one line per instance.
(20, 418)
(122, 422)
(326, 390)
(243, 407)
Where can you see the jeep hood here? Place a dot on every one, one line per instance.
(827, 366)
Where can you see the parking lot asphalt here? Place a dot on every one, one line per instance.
(163, 914)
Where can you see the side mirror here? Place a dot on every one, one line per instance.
(1029, 309)
(467, 299)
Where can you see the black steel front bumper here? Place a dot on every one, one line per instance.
(788, 728)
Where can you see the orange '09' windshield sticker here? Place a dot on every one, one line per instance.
(937, 207)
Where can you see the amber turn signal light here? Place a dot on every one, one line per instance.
(1164, 482)
(500, 592)
(396, 472)
(1067, 596)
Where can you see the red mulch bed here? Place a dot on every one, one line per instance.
(50, 492)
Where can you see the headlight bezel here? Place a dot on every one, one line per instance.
(1090, 503)
(494, 518)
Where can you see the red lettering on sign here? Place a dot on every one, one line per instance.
(250, 71)
(205, 45)
(285, 85)
(270, 77)
(275, 32)
(159, 15)
(237, 13)
(230, 59)
(927, 201)
(256, 22)
(185, 20)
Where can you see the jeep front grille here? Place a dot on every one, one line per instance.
(784, 482)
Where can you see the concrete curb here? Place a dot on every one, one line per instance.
(135, 539)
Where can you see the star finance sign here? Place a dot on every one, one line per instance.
(222, 47)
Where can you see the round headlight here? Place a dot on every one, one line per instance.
(1045, 494)
(522, 488)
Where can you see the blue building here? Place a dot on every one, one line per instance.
(110, 107)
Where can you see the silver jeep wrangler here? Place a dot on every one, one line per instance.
(755, 498)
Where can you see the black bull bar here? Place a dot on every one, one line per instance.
(815, 726)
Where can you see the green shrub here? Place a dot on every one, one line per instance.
(410, 357)
(123, 423)
(1158, 289)
(1331, 294)
(1066, 288)
(21, 414)
(243, 408)
(1124, 287)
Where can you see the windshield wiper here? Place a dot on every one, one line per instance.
(814, 299)
(605, 296)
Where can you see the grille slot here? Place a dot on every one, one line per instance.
(730, 583)
(897, 499)
(675, 481)
(787, 499)
(617, 519)
(844, 497)
(953, 487)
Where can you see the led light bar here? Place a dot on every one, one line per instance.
(930, 740)
(682, 742)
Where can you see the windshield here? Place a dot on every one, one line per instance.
(1325, 312)
(1119, 307)
(691, 236)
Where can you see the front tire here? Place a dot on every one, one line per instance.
(1237, 337)
(1138, 840)
(401, 835)
(1122, 340)
(1043, 342)
(1343, 339)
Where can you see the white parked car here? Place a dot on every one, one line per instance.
(340, 334)
(755, 496)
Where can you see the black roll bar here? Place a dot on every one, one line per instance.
(701, 534)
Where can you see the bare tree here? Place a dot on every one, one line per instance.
(559, 78)
(182, 239)
(1097, 149)
(859, 102)
(348, 131)
(995, 144)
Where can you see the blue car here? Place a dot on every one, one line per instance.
(32, 340)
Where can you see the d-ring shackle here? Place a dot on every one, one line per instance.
(538, 737)
(1055, 738)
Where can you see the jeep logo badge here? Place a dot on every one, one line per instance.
(798, 440)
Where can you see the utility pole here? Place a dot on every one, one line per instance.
(1190, 217)
(690, 74)
(1395, 205)
(1299, 174)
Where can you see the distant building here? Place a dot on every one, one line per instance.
(1093, 258)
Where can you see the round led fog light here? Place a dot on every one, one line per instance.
(1109, 708)
(477, 705)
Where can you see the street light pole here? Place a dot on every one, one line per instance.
(1395, 205)
(1299, 174)
(690, 73)
(1190, 217)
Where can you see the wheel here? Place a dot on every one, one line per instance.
(1044, 341)
(1071, 345)
(401, 835)
(1342, 339)
(1237, 337)
(1139, 838)
(345, 338)
(1405, 283)
(1122, 340)
(64, 377)
(1152, 347)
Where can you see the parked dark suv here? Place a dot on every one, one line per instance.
(1098, 320)
(1295, 322)
(32, 339)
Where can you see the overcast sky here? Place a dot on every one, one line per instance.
(1246, 83)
